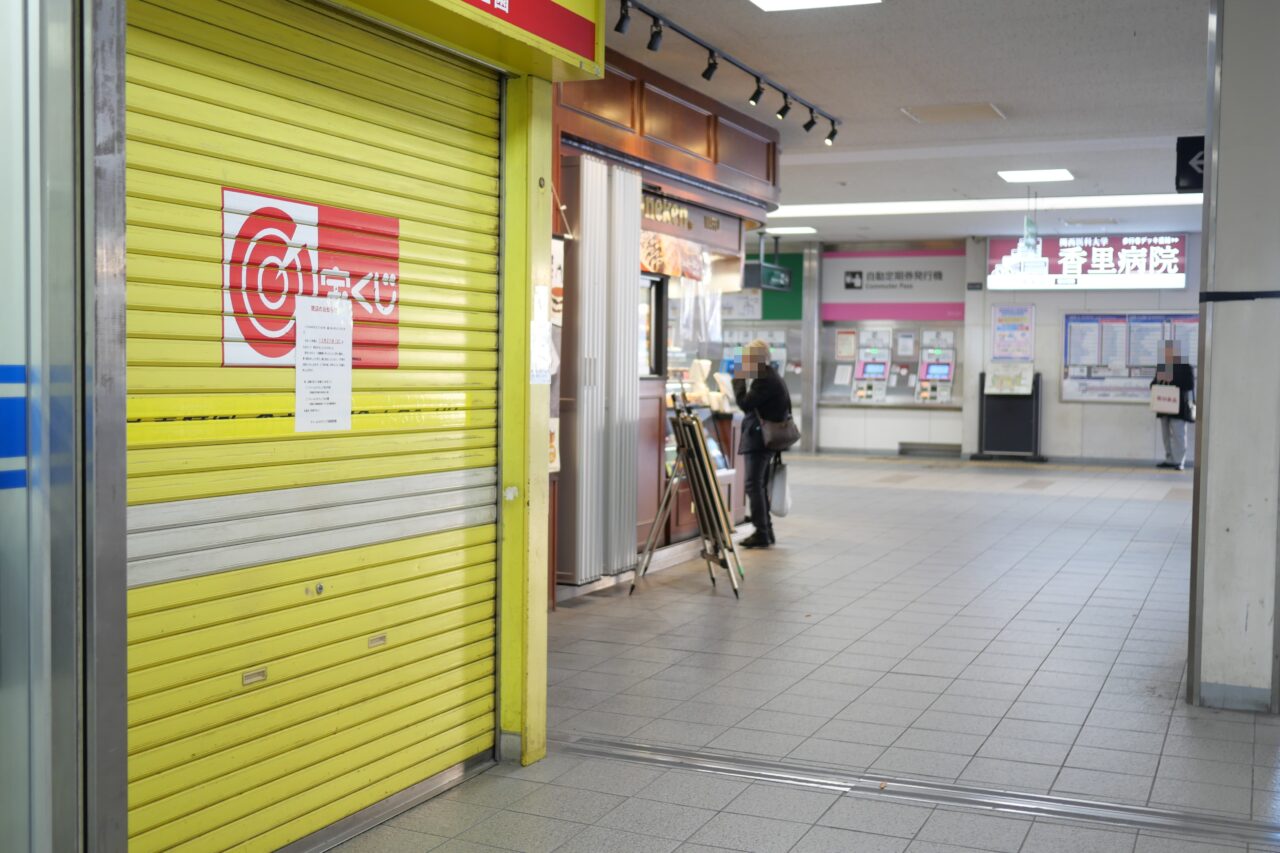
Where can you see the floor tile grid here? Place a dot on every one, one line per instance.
(1036, 839)
(1149, 590)
(906, 568)
(1030, 601)
(890, 579)
(1077, 790)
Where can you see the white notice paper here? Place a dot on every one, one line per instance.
(844, 374)
(322, 382)
(906, 344)
(877, 338)
(542, 353)
(939, 339)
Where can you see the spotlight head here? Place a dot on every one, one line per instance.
(785, 108)
(757, 94)
(655, 35)
(624, 18)
(831, 137)
(713, 63)
(812, 122)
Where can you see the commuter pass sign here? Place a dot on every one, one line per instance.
(276, 250)
(1106, 262)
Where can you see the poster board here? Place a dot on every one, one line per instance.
(1111, 358)
(846, 345)
(742, 305)
(1013, 332)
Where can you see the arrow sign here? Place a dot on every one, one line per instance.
(1190, 172)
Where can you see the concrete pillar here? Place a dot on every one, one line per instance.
(810, 356)
(1233, 645)
(974, 358)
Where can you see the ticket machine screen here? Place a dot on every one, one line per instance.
(874, 370)
(938, 372)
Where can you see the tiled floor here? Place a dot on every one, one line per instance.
(1013, 628)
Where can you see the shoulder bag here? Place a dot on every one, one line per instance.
(780, 435)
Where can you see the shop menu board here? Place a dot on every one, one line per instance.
(1112, 357)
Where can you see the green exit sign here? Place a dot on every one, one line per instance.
(766, 276)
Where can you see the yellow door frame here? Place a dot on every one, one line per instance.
(523, 436)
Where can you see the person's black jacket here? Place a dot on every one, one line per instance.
(767, 397)
(1185, 380)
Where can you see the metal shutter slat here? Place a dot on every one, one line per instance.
(312, 616)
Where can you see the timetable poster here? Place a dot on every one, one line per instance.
(1186, 331)
(1115, 343)
(1112, 357)
(1082, 340)
(1146, 340)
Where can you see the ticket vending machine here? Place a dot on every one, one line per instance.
(937, 372)
(871, 375)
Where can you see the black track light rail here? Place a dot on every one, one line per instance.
(760, 78)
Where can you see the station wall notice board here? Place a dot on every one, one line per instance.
(1111, 357)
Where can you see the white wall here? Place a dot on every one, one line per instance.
(1073, 430)
(882, 430)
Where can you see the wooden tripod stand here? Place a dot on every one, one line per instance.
(715, 526)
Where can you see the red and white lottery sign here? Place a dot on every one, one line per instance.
(276, 249)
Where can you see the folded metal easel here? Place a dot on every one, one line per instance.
(695, 466)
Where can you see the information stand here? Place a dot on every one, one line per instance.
(715, 526)
(1009, 423)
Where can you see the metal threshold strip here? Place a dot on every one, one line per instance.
(923, 791)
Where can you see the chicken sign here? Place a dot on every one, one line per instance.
(275, 250)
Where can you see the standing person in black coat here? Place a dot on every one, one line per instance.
(1175, 371)
(766, 397)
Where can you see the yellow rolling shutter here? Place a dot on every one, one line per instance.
(311, 614)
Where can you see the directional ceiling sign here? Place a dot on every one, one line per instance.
(1190, 177)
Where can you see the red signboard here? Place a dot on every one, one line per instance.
(548, 20)
(276, 249)
(1109, 262)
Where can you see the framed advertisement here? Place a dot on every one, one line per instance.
(1013, 332)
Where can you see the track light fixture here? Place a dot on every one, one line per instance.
(715, 56)
(655, 34)
(712, 64)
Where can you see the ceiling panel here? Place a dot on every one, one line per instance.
(1101, 87)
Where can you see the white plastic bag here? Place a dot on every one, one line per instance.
(1166, 399)
(779, 491)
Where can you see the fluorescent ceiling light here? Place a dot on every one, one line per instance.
(984, 205)
(793, 5)
(1090, 221)
(784, 230)
(1035, 176)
